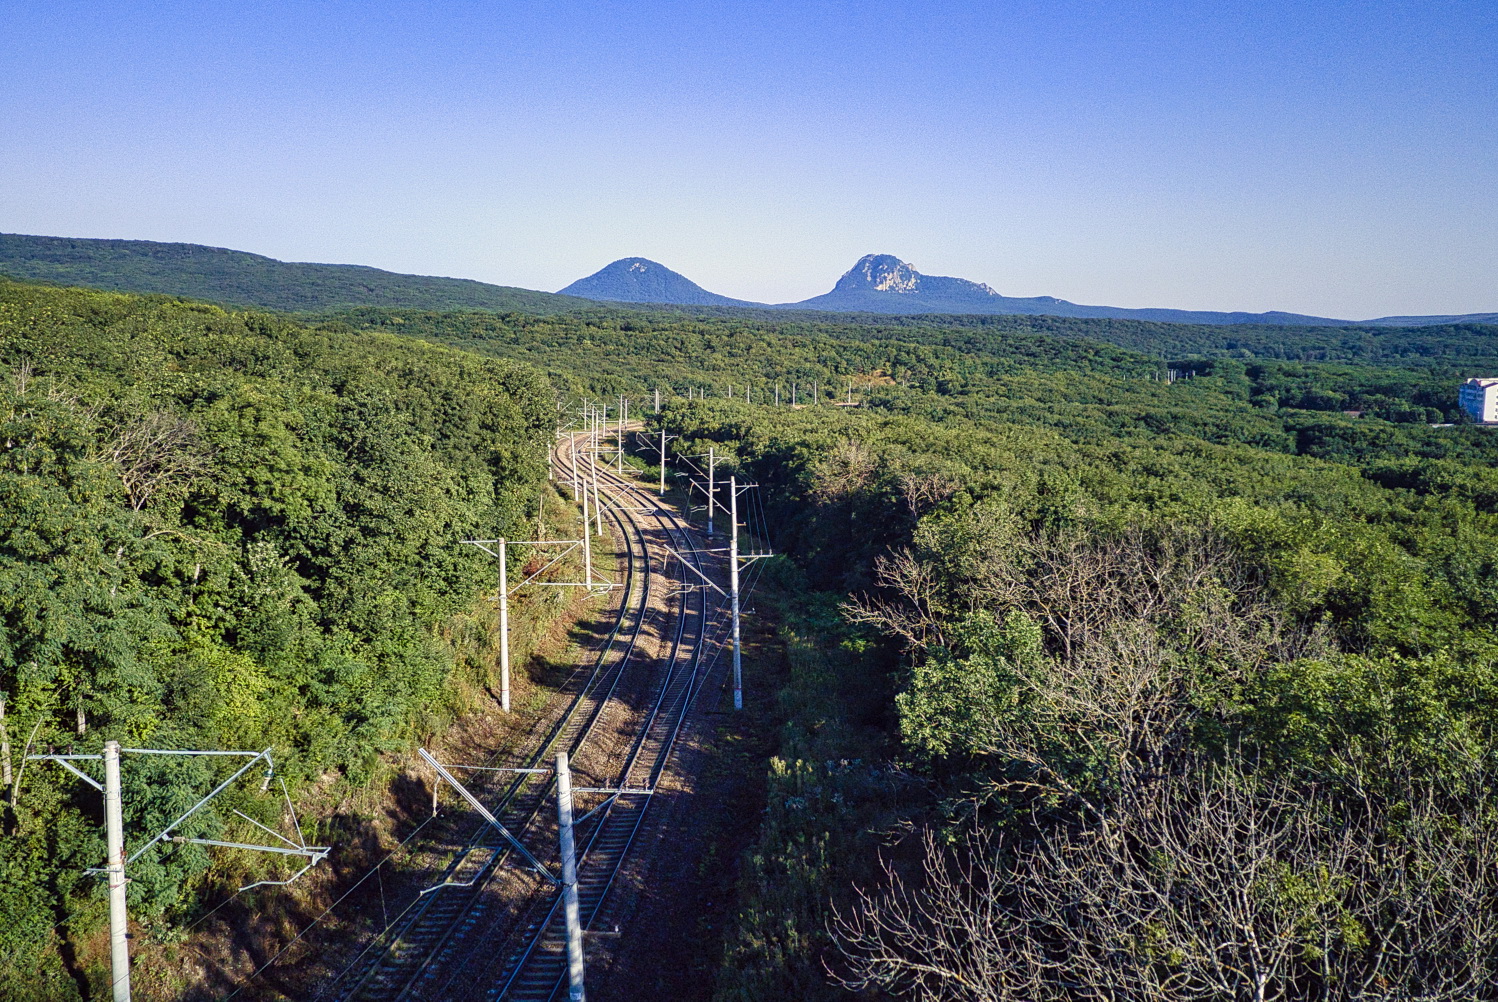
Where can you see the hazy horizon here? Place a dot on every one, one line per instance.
(1313, 159)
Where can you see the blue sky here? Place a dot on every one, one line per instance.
(1331, 158)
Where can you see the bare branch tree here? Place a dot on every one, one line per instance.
(154, 451)
(1213, 886)
(911, 612)
(924, 491)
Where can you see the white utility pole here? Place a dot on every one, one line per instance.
(597, 507)
(572, 457)
(504, 630)
(733, 580)
(663, 458)
(575, 990)
(657, 399)
(114, 839)
(711, 496)
(114, 834)
(623, 414)
(587, 542)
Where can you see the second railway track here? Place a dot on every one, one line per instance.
(493, 930)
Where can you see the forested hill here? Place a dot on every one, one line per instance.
(235, 278)
(226, 531)
(1445, 343)
(619, 350)
(1438, 343)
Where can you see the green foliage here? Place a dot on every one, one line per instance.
(953, 703)
(1328, 621)
(1378, 724)
(229, 530)
(828, 791)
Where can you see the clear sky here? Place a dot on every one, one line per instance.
(1339, 159)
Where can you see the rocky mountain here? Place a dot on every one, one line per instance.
(637, 280)
(877, 283)
(882, 283)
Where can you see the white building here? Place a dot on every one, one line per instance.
(1479, 398)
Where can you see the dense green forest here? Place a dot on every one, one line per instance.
(706, 350)
(1437, 343)
(1101, 685)
(1098, 683)
(224, 531)
(1178, 718)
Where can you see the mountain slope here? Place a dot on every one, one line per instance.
(1465, 318)
(236, 278)
(882, 283)
(638, 280)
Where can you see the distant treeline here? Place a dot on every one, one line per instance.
(1448, 343)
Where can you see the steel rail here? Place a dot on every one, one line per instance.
(448, 913)
(535, 972)
(543, 899)
(616, 510)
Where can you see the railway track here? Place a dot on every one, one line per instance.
(493, 928)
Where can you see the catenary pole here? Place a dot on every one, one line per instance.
(114, 833)
(504, 630)
(663, 460)
(733, 580)
(587, 542)
(711, 487)
(593, 465)
(5, 777)
(575, 991)
(572, 438)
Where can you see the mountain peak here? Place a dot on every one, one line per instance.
(885, 273)
(640, 280)
(880, 273)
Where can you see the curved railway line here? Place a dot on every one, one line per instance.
(493, 928)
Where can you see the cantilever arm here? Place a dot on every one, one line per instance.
(484, 811)
(688, 565)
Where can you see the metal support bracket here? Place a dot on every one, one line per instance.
(688, 565)
(487, 816)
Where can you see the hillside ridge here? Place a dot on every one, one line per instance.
(242, 279)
